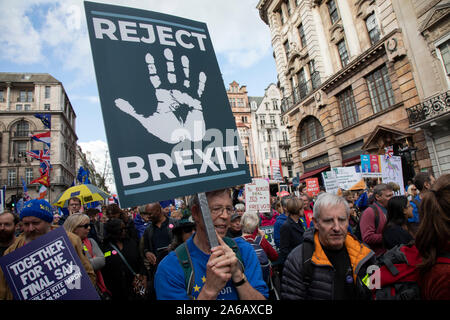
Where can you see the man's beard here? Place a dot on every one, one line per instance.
(6, 236)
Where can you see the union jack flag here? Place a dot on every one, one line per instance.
(41, 155)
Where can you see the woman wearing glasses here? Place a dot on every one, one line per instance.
(80, 224)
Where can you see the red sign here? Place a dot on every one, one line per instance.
(312, 187)
(374, 163)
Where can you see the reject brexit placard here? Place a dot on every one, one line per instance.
(47, 268)
(168, 122)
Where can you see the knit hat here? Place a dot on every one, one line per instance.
(38, 208)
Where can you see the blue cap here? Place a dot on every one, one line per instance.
(38, 208)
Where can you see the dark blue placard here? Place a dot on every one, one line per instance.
(47, 268)
(168, 122)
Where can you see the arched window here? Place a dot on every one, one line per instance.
(310, 130)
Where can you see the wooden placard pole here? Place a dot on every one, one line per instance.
(207, 220)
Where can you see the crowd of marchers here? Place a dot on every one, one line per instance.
(369, 244)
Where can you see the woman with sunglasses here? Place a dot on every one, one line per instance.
(80, 224)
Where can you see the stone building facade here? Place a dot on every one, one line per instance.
(238, 99)
(426, 25)
(347, 81)
(21, 96)
(270, 135)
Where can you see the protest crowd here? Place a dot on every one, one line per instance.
(321, 246)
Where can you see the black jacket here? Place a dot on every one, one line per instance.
(291, 235)
(320, 287)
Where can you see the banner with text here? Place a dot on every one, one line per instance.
(257, 196)
(167, 117)
(47, 268)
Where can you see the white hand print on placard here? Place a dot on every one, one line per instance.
(178, 116)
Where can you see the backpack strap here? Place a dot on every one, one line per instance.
(233, 245)
(376, 212)
(184, 258)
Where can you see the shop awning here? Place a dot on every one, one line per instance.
(309, 174)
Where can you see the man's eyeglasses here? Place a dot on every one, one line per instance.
(219, 210)
(87, 225)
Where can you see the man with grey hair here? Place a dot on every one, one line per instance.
(330, 263)
(373, 219)
(215, 273)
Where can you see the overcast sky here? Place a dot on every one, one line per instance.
(51, 37)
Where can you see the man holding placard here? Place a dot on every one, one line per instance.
(37, 218)
(217, 272)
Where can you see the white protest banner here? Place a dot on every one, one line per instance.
(330, 182)
(346, 177)
(257, 196)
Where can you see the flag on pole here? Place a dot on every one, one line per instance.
(46, 119)
(42, 137)
(25, 190)
(44, 179)
(42, 192)
(45, 168)
(41, 155)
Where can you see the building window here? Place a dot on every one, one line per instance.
(2, 97)
(269, 136)
(275, 104)
(315, 76)
(272, 119)
(380, 89)
(280, 12)
(20, 149)
(342, 49)
(47, 106)
(445, 54)
(22, 129)
(273, 153)
(19, 107)
(310, 130)
(263, 119)
(334, 16)
(372, 28)
(28, 175)
(27, 107)
(288, 6)
(266, 153)
(302, 85)
(267, 105)
(286, 47)
(244, 119)
(347, 108)
(301, 33)
(11, 177)
(47, 92)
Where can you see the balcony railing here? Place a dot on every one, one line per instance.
(430, 108)
(301, 92)
(286, 160)
(284, 144)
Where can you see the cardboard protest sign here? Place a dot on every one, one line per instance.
(269, 234)
(168, 122)
(391, 169)
(257, 196)
(312, 186)
(370, 166)
(330, 181)
(47, 268)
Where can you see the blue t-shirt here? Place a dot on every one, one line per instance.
(170, 282)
